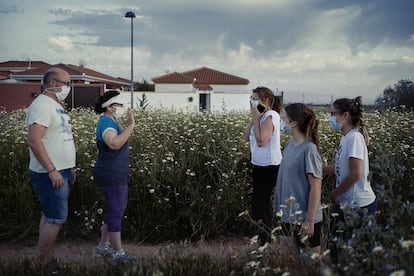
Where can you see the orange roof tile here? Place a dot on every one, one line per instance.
(22, 64)
(173, 78)
(73, 70)
(201, 75)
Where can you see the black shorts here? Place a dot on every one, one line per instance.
(313, 241)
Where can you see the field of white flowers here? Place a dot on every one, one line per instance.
(190, 180)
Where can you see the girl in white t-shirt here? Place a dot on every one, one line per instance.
(351, 168)
(263, 132)
(353, 189)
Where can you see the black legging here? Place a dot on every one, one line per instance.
(264, 180)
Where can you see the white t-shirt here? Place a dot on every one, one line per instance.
(361, 193)
(58, 137)
(269, 154)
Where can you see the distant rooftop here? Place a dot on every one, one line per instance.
(201, 76)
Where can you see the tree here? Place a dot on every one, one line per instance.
(144, 86)
(399, 96)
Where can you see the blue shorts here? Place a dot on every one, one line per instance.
(54, 203)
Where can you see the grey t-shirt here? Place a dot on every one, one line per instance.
(292, 186)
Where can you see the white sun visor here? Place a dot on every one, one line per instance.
(117, 99)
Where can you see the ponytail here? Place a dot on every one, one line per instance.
(360, 122)
(277, 104)
(306, 120)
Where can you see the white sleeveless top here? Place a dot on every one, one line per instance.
(269, 154)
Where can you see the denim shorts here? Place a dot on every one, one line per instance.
(54, 202)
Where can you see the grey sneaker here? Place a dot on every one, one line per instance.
(52, 266)
(104, 251)
(122, 258)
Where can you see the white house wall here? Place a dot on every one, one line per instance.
(229, 88)
(227, 101)
(187, 87)
(180, 101)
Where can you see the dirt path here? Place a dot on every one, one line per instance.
(84, 251)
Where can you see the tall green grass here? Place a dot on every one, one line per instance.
(190, 177)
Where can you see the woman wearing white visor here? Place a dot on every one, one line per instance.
(111, 172)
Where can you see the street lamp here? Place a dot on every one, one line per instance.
(131, 15)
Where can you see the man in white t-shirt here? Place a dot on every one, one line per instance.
(52, 156)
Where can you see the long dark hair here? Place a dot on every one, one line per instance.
(306, 121)
(265, 93)
(355, 109)
(103, 98)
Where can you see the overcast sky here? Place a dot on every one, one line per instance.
(307, 48)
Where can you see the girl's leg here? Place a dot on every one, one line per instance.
(104, 233)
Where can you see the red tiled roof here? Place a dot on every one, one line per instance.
(122, 79)
(22, 64)
(174, 77)
(201, 75)
(73, 70)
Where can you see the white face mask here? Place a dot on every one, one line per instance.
(119, 112)
(60, 95)
(63, 94)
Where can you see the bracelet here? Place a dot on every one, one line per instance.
(54, 169)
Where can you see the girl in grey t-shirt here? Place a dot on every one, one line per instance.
(298, 188)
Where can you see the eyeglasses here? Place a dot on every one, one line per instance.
(254, 99)
(333, 113)
(67, 83)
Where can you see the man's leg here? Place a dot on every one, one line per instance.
(42, 223)
(47, 237)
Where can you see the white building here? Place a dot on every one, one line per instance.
(201, 89)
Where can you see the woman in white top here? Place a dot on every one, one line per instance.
(353, 189)
(263, 132)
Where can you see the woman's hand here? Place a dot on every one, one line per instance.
(131, 116)
(334, 196)
(73, 172)
(307, 229)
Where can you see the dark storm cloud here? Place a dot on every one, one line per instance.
(176, 27)
(108, 26)
(183, 25)
(281, 29)
(10, 9)
(377, 21)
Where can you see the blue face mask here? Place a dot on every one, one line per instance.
(283, 128)
(334, 124)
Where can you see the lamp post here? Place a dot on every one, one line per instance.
(131, 15)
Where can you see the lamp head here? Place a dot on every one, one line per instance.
(130, 14)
